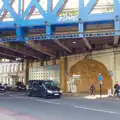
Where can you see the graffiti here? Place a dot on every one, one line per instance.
(67, 18)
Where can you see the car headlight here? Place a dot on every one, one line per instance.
(49, 91)
(60, 91)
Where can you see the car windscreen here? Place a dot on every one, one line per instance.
(50, 84)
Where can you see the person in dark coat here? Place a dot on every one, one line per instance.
(92, 89)
(116, 88)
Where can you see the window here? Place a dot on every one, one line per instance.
(10, 68)
(3, 69)
(22, 66)
(19, 65)
(34, 85)
(40, 84)
(0, 69)
(6, 68)
(15, 68)
(50, 83)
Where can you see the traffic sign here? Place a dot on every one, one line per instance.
(100, 78)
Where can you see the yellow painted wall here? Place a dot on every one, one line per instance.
(89, 69)
(109, 58)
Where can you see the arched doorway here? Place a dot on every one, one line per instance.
(89, 70)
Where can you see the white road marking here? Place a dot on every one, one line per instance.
(2, 94)
(47, 101)
(79, 107)
(18, 97)
(38, 100)
(96, 110)
(6, 98)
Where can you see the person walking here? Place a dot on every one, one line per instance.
(116, 88)
(92, 89)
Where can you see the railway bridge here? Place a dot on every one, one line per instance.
(82, 36)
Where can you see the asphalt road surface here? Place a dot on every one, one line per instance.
(22, 107)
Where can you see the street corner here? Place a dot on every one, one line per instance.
(102, 97)
(11, 115)
(95, 96)
(112, 98)
(4, 116)
(90, 97)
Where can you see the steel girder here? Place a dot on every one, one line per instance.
(21, 50)
(38, 47)
(50, 17)
(65, 36)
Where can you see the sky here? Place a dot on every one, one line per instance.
(71, 4)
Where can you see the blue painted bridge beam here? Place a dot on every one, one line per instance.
(20, 34)
(51, 16)
(52, 19)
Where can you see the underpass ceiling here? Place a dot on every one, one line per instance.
(75, 45)
(51, 44)
(101, 40)
(21, 51)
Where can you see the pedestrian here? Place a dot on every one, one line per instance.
(92, 89)
(116, 88)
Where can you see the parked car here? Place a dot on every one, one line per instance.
(43, 89)
(7, 87)
(19, 87)
(2, 88)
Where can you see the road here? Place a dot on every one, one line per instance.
(20, 107)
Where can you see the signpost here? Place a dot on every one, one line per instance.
(100, 78)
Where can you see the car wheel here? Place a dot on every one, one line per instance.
(45, 96)
(29, 94)
(58, 97)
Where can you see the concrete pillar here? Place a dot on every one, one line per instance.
(63, 73)
(26, 75)
(41, 63)
(54, 62)
(116, 67)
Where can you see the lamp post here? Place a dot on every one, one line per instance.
(100, 78)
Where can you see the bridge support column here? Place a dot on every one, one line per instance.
(81, 27)
(116, 21)
(19, 32)
(54, 62)
(48, 30)
(26, 67)
(63, 73)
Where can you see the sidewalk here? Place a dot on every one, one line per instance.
(87, 96)
(5, 117)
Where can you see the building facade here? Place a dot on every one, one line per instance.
(10, 72)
